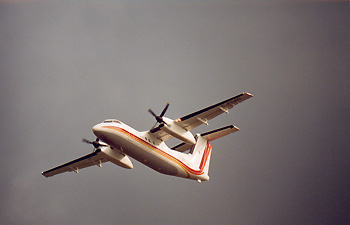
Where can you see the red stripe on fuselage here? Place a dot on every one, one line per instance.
(168, 156)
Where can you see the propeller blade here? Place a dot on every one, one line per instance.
(154, 125)
(164, 110)
(96, 143)
(160, 117)
(86, 141)
(153, 114)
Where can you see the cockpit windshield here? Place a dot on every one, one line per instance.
(111, 121)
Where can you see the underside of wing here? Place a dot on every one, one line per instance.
(202, 116)
(161, 134)
(195, 119)
(92, 159)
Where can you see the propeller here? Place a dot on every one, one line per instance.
(160, 117)
(95, 143)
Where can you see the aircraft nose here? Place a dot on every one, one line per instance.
(97, 130)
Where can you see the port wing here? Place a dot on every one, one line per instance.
(92, 159)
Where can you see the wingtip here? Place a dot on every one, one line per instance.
(45, 174)
(233, 127)
(246, 93)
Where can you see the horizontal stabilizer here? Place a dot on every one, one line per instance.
(210, 136)
(218, 133)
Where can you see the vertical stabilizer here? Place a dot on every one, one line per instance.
(201, 157)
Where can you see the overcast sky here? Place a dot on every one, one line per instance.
(68, 65)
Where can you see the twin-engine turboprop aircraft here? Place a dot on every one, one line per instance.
(118, 141)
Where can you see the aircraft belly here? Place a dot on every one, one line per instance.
(156, 162)
(141, 151)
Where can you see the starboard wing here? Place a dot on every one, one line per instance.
(202, 116)
(193, 120)
(92, 159)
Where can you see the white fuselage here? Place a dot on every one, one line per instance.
(150, 151)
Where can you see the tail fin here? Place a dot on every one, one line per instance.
(201, 154)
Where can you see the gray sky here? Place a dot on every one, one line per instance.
(68, 65)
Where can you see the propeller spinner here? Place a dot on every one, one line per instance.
(95, 143)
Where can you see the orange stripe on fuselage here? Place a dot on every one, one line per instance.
(186, 168)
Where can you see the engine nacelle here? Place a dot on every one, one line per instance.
(178, 132)
(117, 157)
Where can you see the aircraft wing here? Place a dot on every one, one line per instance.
(92, 159)
(202, 116)
(195, 119)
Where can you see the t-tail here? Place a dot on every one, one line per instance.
(201, 152)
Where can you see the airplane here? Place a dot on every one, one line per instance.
(116, 142)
